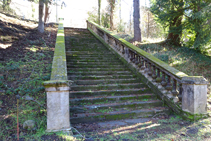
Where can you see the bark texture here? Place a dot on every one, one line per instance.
(47, 12)
(41, 22)
(112, 5)
(99, 7)
(136, 18)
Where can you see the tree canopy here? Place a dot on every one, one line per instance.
(187, 21)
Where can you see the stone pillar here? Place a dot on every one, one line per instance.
(58, 115)
(194, 95)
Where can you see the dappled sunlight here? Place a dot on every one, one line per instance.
(131, 128)
(5, 46)
(33, 49)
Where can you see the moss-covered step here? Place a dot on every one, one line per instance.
(108, 115)
(106, 81)
(130, 105)
(94, 66)
(76, 59)
(88, 93)
(98, 69)
(107, 86)
(91, 56)
(95, 63)
(71, 72)
(108, 99)
(87, 53)
(92, 59)
(98, 77)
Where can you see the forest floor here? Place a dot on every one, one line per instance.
(25, 62)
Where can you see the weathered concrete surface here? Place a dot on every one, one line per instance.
(57, 107)
(194, 95)
(57, 89)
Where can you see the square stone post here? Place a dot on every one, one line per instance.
(194, 95)
(58, 115)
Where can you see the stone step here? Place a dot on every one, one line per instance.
(94, 66)
(99, 99)
(85, 49)
(103, 87)
(87, 93)
(108, 115)
(115, 105)
(92, 56)
(94, 63)
(72, 53)
(106, 81)
(92, 60)
(106, 87)
(97, 69)
(71, 72)
(85, 46)
(98, 77)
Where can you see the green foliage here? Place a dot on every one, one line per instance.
(93, 15)
(105, 20)
(186, 20)
(104, 17)
(121, 26)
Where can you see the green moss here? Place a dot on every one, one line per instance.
(59, 68)
(56, 83)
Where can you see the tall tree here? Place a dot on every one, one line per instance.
(112, 6)
(47, 12)
(136, 18)
(99, 7)
(41, 22)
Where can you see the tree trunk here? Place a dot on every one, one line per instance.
(41, 23)
(120, 12)
(99, 7)
(136, 18)
(112, 14)
(174, 38)
(46, 12)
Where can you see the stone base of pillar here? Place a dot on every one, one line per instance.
(58, 116)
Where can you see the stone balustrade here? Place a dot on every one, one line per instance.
(185, 95)
(57, 89)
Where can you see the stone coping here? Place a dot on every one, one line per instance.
(161, 64)
(57, 83)
(59, 67)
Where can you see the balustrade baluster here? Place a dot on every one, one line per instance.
(180, 91)
(154, 76)
(134, 57)
(142, 64)
(174, 90)
(131, 55)
(123, 49)
(158, 79)
(163, 83)
(137, 59)
(149, 69)
(169, 85)
(146, 67)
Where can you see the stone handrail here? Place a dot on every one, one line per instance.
(186, 95)
(57, 88)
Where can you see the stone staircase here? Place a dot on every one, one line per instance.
(104, 88)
